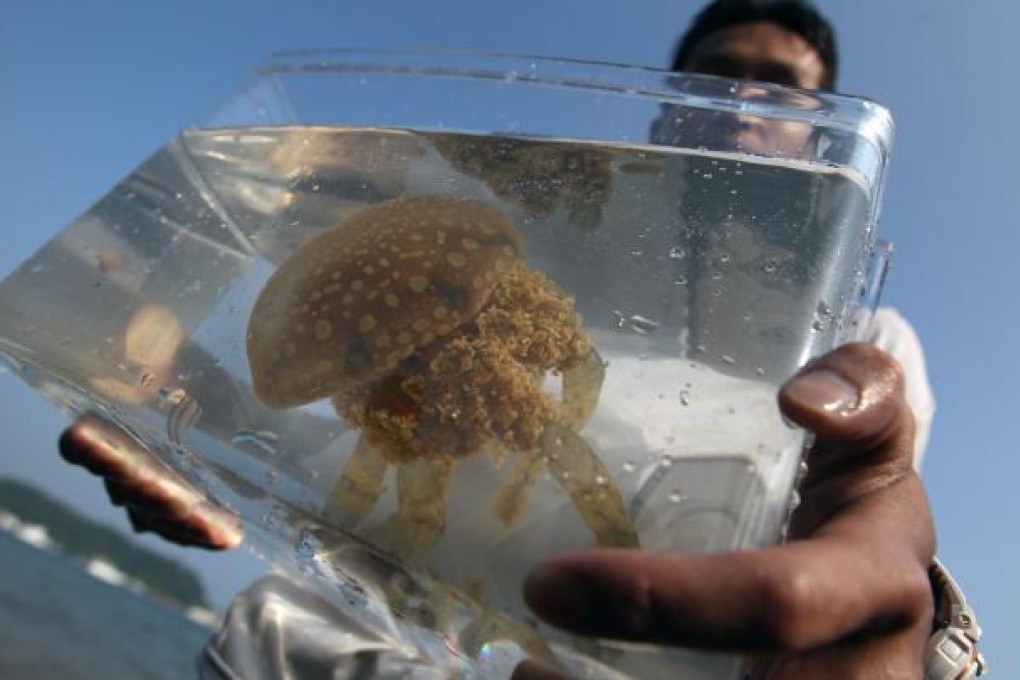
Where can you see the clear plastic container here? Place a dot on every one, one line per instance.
(546, 305)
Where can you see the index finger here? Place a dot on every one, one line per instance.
(791, 598)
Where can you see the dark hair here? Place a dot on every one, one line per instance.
(796, 16)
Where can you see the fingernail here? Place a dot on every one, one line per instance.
(825, 389)
(222, 528)
(228, 536)
(557, 597)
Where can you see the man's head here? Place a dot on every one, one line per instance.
(786, 42)
(782, 41)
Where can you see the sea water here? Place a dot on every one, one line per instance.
(59, 621)
(703, 280)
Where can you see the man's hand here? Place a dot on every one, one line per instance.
(155, 499)
(848, 596)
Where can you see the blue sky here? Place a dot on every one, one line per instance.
(91, 89)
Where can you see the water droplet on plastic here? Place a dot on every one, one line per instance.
(271, 477)
(823, 317)
(168, 396)
(308, 545)
(636, 252)
(677, 496)
(618, 320)
(666, 462)
(760, 371)
(601, 480)
(685, 398)
(728, 360)
(680, 281)
(147, 380)
(677, 253)
(629, 467)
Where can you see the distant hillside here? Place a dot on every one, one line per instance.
(82, 538)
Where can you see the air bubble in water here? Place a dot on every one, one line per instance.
(184, 412)
(642, 325)
(262, 441)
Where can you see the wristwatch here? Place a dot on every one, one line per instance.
(952, 652)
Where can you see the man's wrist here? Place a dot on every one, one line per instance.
(952, 651)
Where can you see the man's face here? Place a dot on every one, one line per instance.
(760, 51)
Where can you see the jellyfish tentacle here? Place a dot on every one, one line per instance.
(586, 480)
(360, 485)
(420, 517)
(515, 495)
(582, 385)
